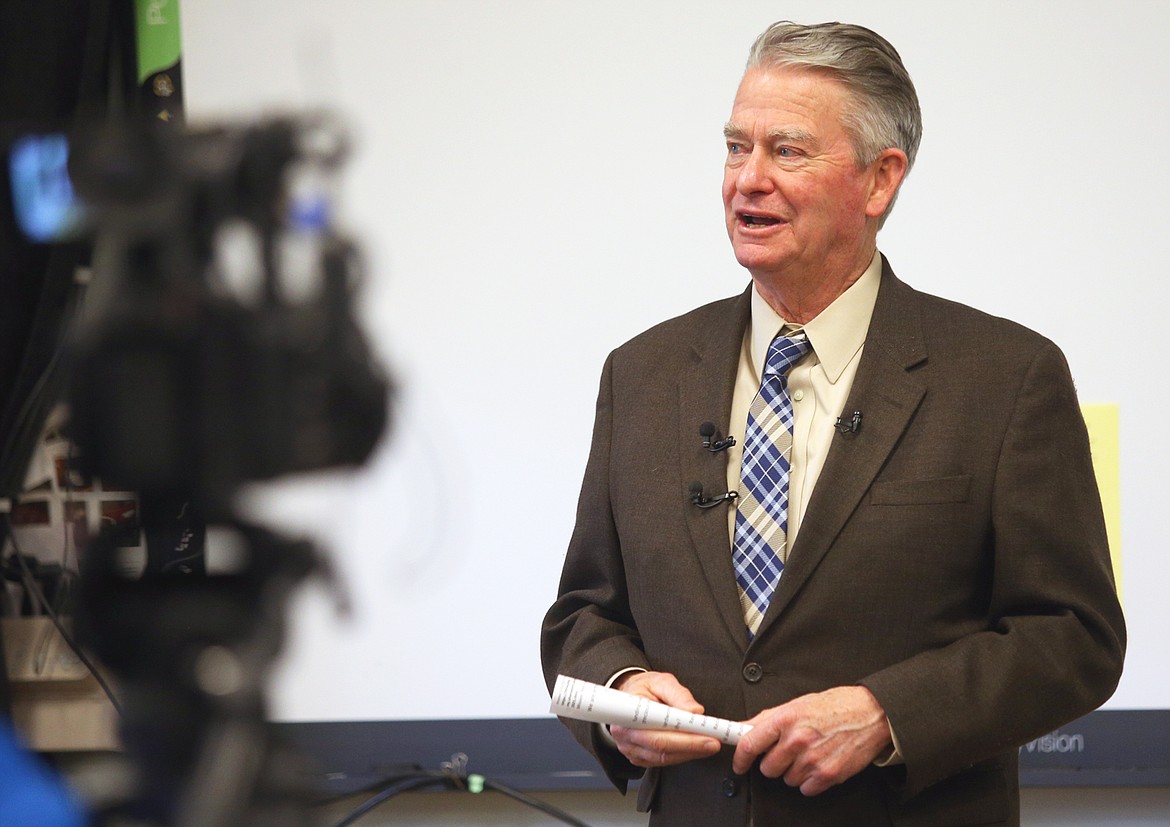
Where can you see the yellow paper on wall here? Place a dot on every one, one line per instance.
(1103, 422)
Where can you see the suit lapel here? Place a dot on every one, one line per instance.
(887, 394)
(705, 390)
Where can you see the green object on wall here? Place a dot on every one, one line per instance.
(157, 27)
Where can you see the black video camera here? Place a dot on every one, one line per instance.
(220, 346)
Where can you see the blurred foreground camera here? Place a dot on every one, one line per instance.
(222, 347)
(219, 347)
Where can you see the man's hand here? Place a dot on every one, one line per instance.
(657, 747)
(816, 741)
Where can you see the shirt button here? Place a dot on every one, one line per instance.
(798, 395)
(753, 673)
(729, 787)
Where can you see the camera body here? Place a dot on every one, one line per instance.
(205, 362)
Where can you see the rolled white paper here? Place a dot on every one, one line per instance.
(585, 701)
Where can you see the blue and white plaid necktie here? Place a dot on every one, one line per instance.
(761, 520)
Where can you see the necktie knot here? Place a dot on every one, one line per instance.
(784, 352)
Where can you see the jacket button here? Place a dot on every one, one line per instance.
(753, 673)
(729, 787)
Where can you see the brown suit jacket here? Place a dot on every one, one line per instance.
(952, 559)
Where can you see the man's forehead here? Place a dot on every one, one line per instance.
(817, 74)
(786, 98)
(789, 84)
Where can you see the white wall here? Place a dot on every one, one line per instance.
(537, 180)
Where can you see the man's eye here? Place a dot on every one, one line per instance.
(786, 152)
(734, 149)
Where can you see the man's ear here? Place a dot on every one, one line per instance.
(887, 172)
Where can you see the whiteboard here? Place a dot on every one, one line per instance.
(535, 182)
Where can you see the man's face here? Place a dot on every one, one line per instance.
(795, 201)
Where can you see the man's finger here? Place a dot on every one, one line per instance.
(661, 748)
(662, 687)
(764, 734)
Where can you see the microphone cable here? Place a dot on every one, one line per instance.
(452, 774)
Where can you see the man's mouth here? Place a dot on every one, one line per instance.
(753, 220)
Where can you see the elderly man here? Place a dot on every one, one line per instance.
(859, 517)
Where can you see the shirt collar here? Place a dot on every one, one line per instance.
(837, 333)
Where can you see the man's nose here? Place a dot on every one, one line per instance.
(754, 176)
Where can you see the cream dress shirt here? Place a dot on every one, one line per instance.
(818, 385)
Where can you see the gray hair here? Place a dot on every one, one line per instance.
(883, 109)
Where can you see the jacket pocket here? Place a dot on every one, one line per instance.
(921, 492)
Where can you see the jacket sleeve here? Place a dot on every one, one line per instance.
(588, 632)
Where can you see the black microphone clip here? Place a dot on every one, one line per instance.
(850, 426)
(707, 432)
(710, 502)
